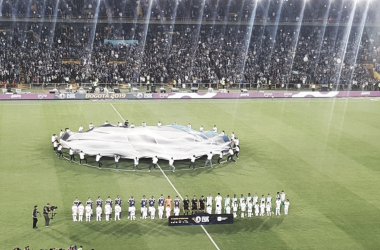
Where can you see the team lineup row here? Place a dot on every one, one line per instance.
(245, 206)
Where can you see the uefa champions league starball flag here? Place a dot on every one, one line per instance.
(179, 142)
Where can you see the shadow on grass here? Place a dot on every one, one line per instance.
(247, 225)
(126, 166)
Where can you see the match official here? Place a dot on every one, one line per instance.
(34, 215)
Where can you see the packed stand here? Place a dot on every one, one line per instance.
(218, 10)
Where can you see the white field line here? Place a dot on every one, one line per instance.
(117, 112)
(204, 229)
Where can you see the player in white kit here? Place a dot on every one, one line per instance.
(227, 201)
(74, 211)
(132, 212)
(262, 208)
(80, 211)
(152, 211)
(269, 212)
(117, 211)
(176, 211)
(160, 211)
(228, 209)
(286, 206)
(209, 200)
(144, 211)
(218, 200)
(235, 209)
(99, 211)
(209, 209)
(278, 206)
(107, 211)
(88, 212)
(218, 209)
(257, 209)
(168, 211)
(250, 206)
(242, 209)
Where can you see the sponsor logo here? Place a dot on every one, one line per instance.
(200, 219)
(148, 95)
(106, 96)
(365, 93)
(288, 94)
(244, 95)
(42, 96)
(267, 94)
(15, 96)
(139, 95)
(164, 95)
(220, 218)
(66, 96)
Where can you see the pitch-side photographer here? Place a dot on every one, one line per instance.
(47, 211)
(34, 215)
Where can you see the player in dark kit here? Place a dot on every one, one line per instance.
(143, 203)
(161, 200)
(177, 202)
(186, 203)
(194, 205)
(202, 202)
(131, 203)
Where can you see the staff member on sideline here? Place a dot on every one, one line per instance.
(34, 215)
(46, 214)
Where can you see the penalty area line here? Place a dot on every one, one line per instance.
(204, 229)
(117, 111)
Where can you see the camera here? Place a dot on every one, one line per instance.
(52, 209)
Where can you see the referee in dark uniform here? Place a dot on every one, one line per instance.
(46, 214)
(186, 203)
(34, 215)
(194, 205)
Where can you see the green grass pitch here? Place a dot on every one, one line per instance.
(323, 153)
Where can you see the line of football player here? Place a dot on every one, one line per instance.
(243, 206)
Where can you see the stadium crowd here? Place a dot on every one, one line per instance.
(36, 52)
(243, 206)
(218, 10)
(187, 54)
